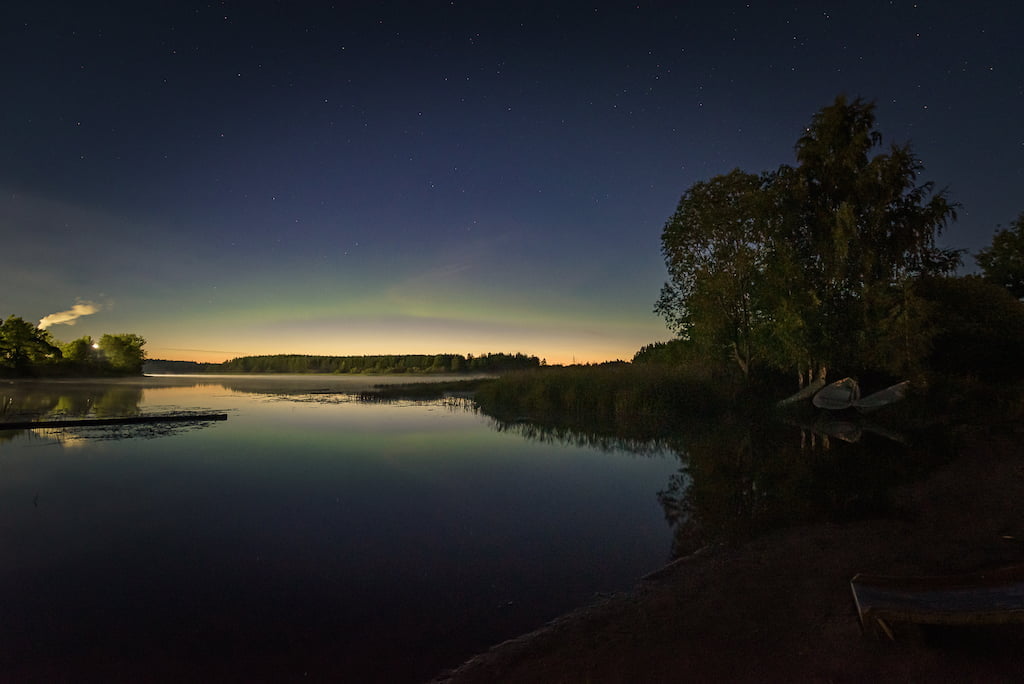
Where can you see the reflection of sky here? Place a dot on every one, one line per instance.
(443, 177)
(415, 522)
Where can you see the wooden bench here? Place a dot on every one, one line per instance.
(991, 597)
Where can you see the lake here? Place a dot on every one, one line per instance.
(309, 535)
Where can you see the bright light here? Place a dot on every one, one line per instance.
(95, 346)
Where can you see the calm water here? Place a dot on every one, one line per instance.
(309, 534)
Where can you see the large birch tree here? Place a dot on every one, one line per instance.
(809, 267)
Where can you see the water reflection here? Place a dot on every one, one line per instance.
(555, 434)
(742, 477)
(291, 386)
(32, 401)
(357, 542)
(27, 401)
(737, 478)
(851, 429)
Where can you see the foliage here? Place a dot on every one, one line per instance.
(810, 267)
(81, 350)
(980, 331)
(124, 352)
(718, 248)
(24, 347)
(408, 363)
(1002, 263)
(27, 351)
(674, 352)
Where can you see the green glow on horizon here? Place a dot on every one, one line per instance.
(467, 298)
(321, 315)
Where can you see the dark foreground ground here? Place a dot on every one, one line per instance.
(780, 609)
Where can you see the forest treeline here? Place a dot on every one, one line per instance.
(379, 364)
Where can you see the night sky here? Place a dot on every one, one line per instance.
(236, 178)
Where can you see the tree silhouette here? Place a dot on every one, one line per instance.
(810, 267)
(1002, 263)
(23, 345)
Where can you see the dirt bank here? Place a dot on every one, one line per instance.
(780, 609)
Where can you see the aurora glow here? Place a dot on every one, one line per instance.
(452, 177)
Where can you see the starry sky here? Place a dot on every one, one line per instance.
(230, 178)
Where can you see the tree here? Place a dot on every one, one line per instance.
(862, 228)
(124, 352)
(981, 330)
(810, 266)
(719, 247)
(1002, 263)
(675, 352)
(23, 345)
(81, 350)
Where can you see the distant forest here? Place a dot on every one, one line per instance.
(387, 364)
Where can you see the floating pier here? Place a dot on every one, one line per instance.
(123, 420)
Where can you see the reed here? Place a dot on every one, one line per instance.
(627, 400)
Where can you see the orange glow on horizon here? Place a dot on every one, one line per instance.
(210, 356)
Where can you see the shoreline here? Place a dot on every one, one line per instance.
(779, 607)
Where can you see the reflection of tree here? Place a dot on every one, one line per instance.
(40, 400)
(79, 401)
(15, 404)
(726, 490)
(742, 477)
(554, 434)
(118, 401)
(24, 346)
(686, 537)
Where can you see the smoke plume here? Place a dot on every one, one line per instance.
(70, 316)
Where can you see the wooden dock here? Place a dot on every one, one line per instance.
(123, 420)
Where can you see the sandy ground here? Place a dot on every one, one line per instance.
(779, 608)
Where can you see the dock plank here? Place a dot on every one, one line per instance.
(122, 420)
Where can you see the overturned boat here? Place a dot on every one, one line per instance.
(845, 393)
(838, 396)
(890, 395)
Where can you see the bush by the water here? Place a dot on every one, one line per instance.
(979, 329)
